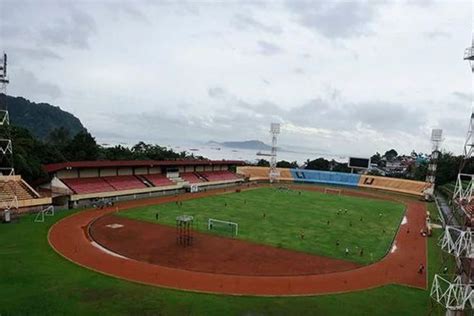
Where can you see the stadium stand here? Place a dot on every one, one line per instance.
(125, 182)
(327, 177)
(79, 183)
(337, 178)
(88, 185)
(191, 177)
(393, 184)
(158, 180)
(219, 176)
(28, 198)
(18, 188)
(261, 173)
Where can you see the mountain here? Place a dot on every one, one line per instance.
(247, 144)
(40, 118)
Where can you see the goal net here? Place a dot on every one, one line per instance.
(49, 211)
(223, 227)
(332, 191)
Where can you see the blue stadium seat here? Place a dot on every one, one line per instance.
(326, 177)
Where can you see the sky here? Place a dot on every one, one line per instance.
(340, 77)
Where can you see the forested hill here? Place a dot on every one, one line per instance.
(40, 118)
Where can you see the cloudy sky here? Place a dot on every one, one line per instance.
(341, 77)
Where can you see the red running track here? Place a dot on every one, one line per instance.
(69, 237)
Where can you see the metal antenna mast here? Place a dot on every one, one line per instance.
(274, 174)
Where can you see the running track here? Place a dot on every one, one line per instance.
(69, 237)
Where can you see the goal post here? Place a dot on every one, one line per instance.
(223, 226)
(332, 191)
(49, 211)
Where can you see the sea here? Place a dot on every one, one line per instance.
(300, 155)
(217, 152)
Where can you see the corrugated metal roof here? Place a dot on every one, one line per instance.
(49, 168)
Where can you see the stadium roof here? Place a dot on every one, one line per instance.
(49, 168)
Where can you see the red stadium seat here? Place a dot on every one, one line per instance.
(158, 180)
(214, 176)
(125, 182)
(88, 185)
(192, 177)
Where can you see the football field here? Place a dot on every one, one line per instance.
(306, 221)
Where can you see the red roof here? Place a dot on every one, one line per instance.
(53, 167)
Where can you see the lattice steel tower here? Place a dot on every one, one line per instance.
(436, 139)
(6, 148)
(274, 174)
(456, 292)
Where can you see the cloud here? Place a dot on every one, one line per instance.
(462, 96)
(247, 22)
(74, 29)
(128, 9)
(207, 67)
(334, 19)
(437, 35)
(29, 84)
(268, 49)
(36, 54)
(298, 70)
(216, 92)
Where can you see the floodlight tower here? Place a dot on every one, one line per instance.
(436, 139)
(273, 174)
(456, 292)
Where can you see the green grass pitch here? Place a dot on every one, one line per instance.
(37, 281)
(279, 218)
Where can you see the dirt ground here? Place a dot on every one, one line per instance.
(157, 244)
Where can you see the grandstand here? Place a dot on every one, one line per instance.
(158, 180)
(261, 173)
(81, 182)
(88, 185)
(393, 184)
(337, 178)
(219, 176)
(192, 177)
(325, 177)
(125, 182)
(27, 197)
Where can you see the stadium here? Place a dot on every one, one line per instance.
(89, 228)
(226, 228)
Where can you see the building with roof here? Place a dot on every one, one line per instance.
(84, 182)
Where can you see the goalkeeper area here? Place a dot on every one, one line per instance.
(304, 220)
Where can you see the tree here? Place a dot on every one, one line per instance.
(118, 152)
(374, 172)
(318, 164)
(59, 137)
(419, 171)
(340, 167)
(27, 154)
(391, 154)
(82, 147)
(448, 167)
(376, 158)
(263, 163)
(287, 164)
